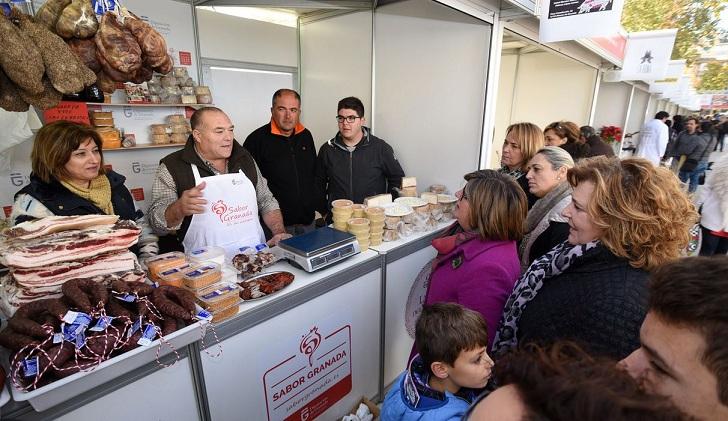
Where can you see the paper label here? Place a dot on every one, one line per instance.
(57, 338)
(101, 324)
(204, 315)
(129, 298)
(134, 328)
(80, 340)
(148, 335)
(70, 316)
(30, 367)
(217, 292)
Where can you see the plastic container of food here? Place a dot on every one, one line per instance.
(159, 128)
(160, 139)
(358, 226)
(102, 122)
(102, 114)
(173, 276)
(208, 254)
(179, 72)
(168, 81)
(342, 204)
(358, 210)
(178, 138)
(162, 262)
(179, 128)
(202, 90)
(218, 296)
(176, 119)
(204, 99)
(189, 99)
(438, 188)
(375, 214)
(201, 276)
(226, 313)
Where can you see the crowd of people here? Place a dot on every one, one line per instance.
(562, 275)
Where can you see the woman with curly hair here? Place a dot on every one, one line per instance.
(625, 219)
(566, 384)
(522, 142)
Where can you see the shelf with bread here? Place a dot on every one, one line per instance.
(149, 133)
(149, 105)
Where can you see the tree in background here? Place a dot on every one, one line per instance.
(715, 77)
(696, 21)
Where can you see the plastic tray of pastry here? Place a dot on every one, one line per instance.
(264, 285)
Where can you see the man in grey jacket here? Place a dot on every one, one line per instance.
(691, 145)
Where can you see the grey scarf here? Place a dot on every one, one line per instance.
(538, 212)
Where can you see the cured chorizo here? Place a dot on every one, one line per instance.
(85, 294)
(174, 302)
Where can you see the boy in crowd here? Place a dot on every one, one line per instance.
(450, 370)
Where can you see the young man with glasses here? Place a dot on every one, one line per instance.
(355, 164)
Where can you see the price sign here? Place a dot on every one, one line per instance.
(76, 112)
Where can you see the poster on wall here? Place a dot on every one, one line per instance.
(563, 20)
(308, 373)
(647, 54)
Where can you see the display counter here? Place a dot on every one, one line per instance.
(311, 350)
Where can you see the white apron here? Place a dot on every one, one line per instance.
(230, 219)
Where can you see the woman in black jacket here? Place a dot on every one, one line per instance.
(626, 218)
(522, 142)
(68, 178)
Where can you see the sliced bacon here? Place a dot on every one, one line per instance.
(65, 246)
(56, 274)
(51, 224)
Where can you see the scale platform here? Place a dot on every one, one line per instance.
(318, 249)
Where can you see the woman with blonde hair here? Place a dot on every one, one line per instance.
(545, 226)
(625, 219)
(522, 142)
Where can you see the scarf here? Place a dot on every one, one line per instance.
(450, 240)
(98, 193)
(516, 174)
(551, 264)
(537, 221)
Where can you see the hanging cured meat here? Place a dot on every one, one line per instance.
(151, 42)
(20, 58)
(66, 72)
(10, 99)
(49, 97)
(49, 13)
(117, 46)
(77, 20)
(85, 49)
(105, 82)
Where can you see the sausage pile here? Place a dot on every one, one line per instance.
(264, 285)
(43, 254)
(90, 322)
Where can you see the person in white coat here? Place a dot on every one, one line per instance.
(713, 202)
(653, 139)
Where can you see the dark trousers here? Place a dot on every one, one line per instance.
(713, 244)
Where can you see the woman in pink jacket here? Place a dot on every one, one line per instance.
(477, 260)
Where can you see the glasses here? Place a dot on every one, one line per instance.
(348, 119)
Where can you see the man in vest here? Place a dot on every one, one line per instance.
(211, 192)
(285, 153)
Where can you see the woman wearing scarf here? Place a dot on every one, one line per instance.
(545, 226)
(626, 218)
(69, 178)
(477, 262)
(520, 145)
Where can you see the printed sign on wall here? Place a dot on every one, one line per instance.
(563, 20)
(647, 55)
(310, 373)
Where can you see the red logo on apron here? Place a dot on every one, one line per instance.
(219, 208)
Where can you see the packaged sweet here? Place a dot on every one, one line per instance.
(160, 129)
(189, 99)
(178, 138)
(160, 139)
(201, 276)
(161, 262)
(173, 276)
(179, 72)
(226, 313)
(218, 296)
(208, 254)
(176, 119)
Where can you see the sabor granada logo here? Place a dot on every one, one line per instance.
(219, 208)
(310, 343)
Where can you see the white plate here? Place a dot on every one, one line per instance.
(410, 201)
(397, 209)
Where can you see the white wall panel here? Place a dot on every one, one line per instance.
(636, 118)
(430, 88)
(336, 62)
(233, 38)
(550, 87)
(503, 110)
(612, 103)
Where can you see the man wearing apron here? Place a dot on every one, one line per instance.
(211, 192)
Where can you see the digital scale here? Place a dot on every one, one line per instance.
(318, 249)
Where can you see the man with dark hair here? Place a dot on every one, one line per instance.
(210, 193)
(286, 155)
(654, 137)
(684, 352)
(355, 164)
(689, 147)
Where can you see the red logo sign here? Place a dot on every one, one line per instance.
(310, 343)
(185, 58)
(231, 215)
(8, 210)
(137, 193)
